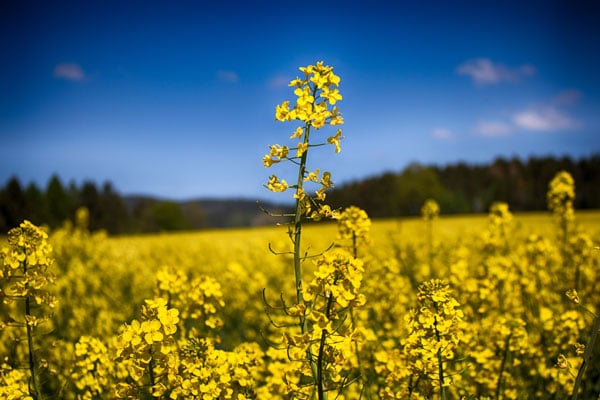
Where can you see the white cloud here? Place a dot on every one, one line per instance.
(543, 119)
(228, 76)
(484, 72)
(69, 71)
(442, 133)
(493, 128)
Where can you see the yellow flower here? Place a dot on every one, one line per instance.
(335, 117)
(335, 140)
(151, 330)
(302, 147)
(307, 70)
(297, 133)
(562, 362)
(300, 194)
(326, 179)
(282, 111)
(304, 96)
(333, 96)
(313, 176)
(169, 319)
(268, 161)
(430, 210)
(296, 82)
(279, 151)
(353, 222)
(275, 185)
(333, 79)
(318, 79)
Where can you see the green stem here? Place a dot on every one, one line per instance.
(587, 355)
(320, 391)
(440, 364)
(151, 371)
(297, 247)
(298, 227)
(322, 394)
(32, 362)
(502, 366)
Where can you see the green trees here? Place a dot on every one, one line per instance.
(58, 203)
(465, 188)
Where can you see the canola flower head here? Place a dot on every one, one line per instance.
(314, 93)
(435, 291)
(353, 222)
(430, 210)
(561, 195)
(25, 270)
(315, 106)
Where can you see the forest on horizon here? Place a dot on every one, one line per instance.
(459, 188)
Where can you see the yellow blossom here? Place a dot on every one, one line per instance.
(335, 140)
(302, 147)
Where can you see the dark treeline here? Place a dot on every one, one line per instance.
(107, 209)
(458, 188)
(467, 188)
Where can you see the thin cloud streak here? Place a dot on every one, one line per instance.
(568, 97)
(442, 133)
(278, 82)
(69, 71)
(493, 128)
(228, 76)
(546, 119)
(483, 71)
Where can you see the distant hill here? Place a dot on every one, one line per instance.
(223, 213)
(214, 212)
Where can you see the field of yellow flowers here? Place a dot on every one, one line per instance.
(498, 307)
(187, 313)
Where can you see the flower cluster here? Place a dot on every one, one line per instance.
(93, 368)
(560, 198)
(147, 349)
(199, 299)
(209, 373)
(430, 210)
(496, 238)
(435, 333)
(354, 224)
(13, 383)
(316, 95)
(315, 92)
(24, 279)
(338, 279)
(25, 267)
(561, 194)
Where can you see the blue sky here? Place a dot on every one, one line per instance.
(177, 99)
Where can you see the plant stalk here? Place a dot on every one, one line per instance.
(32, 361)
(440, 364)
(587, 355)
(502, 366)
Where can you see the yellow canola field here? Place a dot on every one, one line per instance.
(209, 314)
